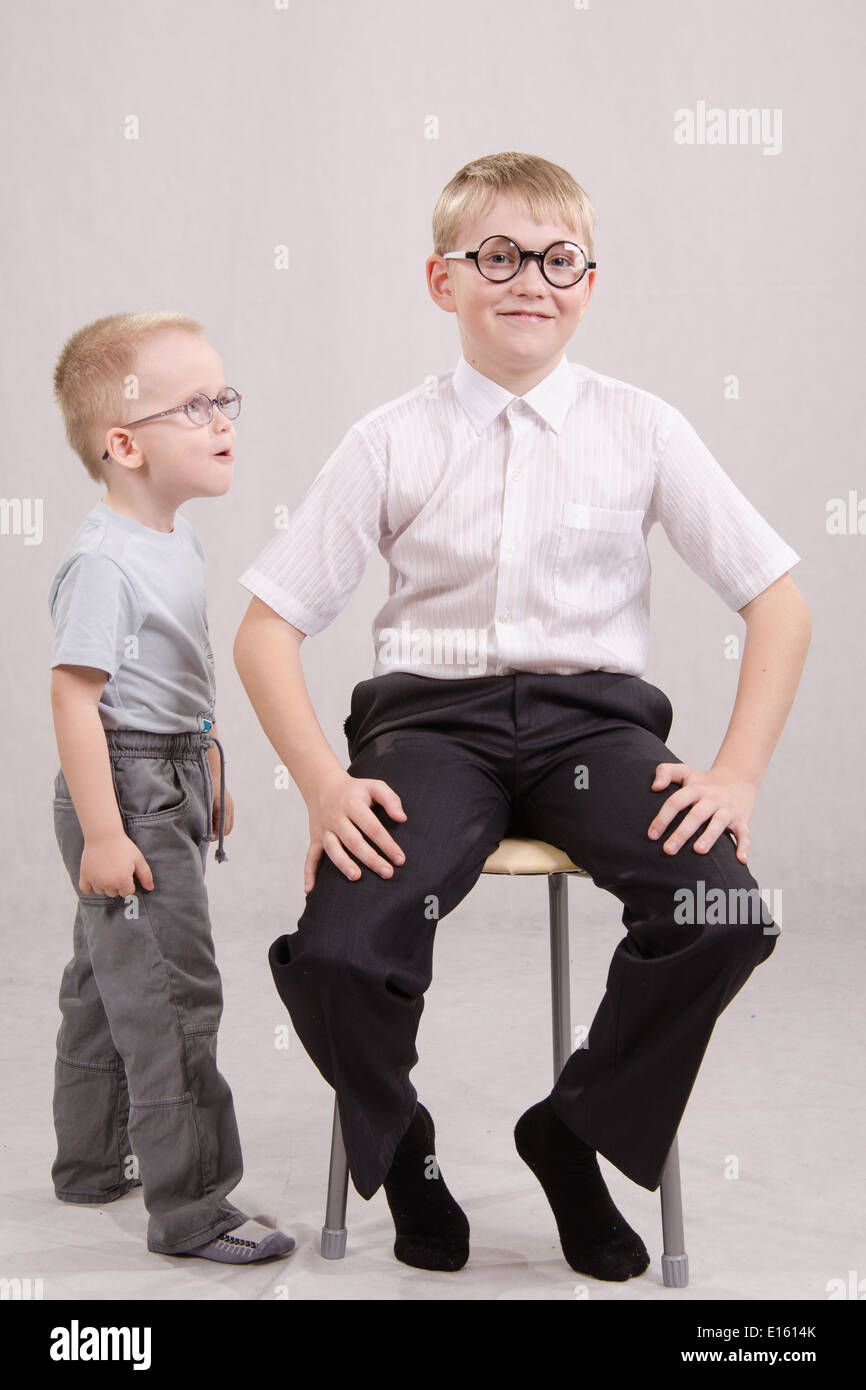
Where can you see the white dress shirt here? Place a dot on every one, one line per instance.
(514, 526)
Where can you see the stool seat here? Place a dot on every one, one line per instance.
(519, 856)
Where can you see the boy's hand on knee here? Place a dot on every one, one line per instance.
(340, 809)
(107, 866)
(715, 796)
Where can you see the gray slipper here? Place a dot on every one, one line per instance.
(245, 1244)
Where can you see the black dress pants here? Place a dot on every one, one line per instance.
(569, 759)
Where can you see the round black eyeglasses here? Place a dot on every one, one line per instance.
(498, 258)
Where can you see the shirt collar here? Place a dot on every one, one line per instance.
(483, 399)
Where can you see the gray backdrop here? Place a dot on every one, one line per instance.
(729, 283)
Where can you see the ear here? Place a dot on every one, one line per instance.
(439, 283)
(122, 449)
(590, 281)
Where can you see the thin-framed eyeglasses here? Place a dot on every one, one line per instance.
(498, 258)
(199, 409)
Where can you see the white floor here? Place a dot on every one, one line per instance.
(777, 1098)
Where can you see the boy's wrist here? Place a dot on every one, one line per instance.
(312, 781)
(734, 772)
(104, 835)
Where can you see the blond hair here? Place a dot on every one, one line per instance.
(540, 186)
(90, 374)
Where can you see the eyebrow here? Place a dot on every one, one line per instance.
(201, 390)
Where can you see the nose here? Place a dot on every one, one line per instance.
(529, 278)
(221, 424)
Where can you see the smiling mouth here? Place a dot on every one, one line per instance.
(525, 314)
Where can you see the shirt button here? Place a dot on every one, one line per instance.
(518, 404)
(516, 473)
(505, 617)
(509, 549)
(580, 516)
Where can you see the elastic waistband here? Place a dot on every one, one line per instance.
(141, 743)
(190, 747)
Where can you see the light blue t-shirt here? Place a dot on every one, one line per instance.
(131, 601)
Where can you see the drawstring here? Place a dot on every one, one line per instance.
(221, 856)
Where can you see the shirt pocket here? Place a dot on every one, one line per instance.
(600, 558)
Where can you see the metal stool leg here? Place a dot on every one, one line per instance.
(560, 986)
(675, 1261)
(334, 1231)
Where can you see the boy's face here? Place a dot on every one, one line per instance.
(513, 331)
(180, 460)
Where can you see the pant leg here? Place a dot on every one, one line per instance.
(626, 1090)
(354, 974)
(152, 961)
(91, 1100)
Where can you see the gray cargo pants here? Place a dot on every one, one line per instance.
(136, 1079)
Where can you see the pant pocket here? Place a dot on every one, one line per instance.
(151, 789)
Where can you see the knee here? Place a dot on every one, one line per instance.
(307, 961)
(324, 964)
(740, 917)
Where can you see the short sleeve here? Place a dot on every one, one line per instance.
(710, 523)
(94, 611)
(308, 571)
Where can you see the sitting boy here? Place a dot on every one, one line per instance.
(137, 1090)
(512, 498)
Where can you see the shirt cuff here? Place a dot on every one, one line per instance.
(282, 603)
(98, 660)
(773, 567)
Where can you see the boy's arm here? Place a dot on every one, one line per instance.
(267, 658)
(778, 631)
(109, 857)
(266, 655)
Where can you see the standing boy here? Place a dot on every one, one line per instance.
(512, 502)
(137, 1089)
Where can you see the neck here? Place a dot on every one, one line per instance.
(147, 510)
(513, 378)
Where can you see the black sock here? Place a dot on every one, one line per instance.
(596, 1239)
(432, 1230)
